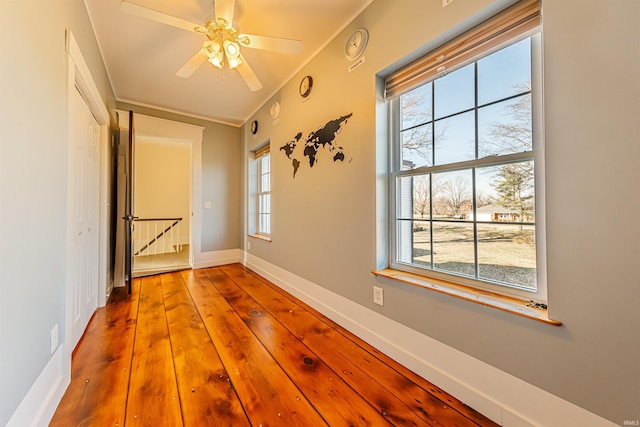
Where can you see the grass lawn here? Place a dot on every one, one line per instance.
(506, 253)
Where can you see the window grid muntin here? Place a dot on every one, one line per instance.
(263, 195)
(398, 218)
(535, 154)
(475, 110)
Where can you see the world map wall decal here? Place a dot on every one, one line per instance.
(324, 137)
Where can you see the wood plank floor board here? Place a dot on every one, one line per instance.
(153, 398)
(225, 347)
(205, 389)
(101, 365)
(337, 402)
(268, 394)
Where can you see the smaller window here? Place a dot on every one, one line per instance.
(263, 195)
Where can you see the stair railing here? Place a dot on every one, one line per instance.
(154, 236)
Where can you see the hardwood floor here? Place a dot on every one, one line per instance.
(224, 347)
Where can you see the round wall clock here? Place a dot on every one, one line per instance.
(356, 44)
(305, 86)
(274, 111)
(254, 127)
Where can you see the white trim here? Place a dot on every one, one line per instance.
(196, 199)
(80, 76)
(182, 113)
(507, 400)
(157, 127)
(40, 403)
(261, 192)
(105, 280)
(216, 258)
(84, 79)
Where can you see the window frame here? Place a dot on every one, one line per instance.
(536, 155)
(260, 192)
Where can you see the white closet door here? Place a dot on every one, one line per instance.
(83, 204)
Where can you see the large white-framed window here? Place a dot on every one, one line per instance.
(467, 151)
(263, 194)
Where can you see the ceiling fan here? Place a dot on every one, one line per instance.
(224, 42)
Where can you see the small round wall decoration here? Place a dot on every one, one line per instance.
(274, 111)
(254, 127)
(356, 44)
(306, 84)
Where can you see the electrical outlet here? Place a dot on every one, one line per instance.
(446, 2)
(378, 295)
(248, 245)
(54, 338)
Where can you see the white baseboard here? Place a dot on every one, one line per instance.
(42, 399)
(505, 399)
(213, 259)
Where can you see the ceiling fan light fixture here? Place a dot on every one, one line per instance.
(217, 59)
(231, 49)
(212, 47)
(234, 62)
(224, 42)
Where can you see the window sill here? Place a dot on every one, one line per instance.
(489, 299)
(261, 237)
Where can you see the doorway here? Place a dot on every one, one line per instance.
(153, 129)
(162, 188)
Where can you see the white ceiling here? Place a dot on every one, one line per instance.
(142, 56)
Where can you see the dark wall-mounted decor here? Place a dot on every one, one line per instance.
(323, 138)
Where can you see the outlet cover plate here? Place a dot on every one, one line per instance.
(378, 295)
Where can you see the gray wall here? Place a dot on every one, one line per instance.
(324, 225)
(221, 156)
(33, 180)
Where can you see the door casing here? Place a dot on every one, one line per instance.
(157, 128)
(79, 76)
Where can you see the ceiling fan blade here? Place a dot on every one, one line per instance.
(248, 75)
(224, 9)
(193, 64)
(289, 46)
(154, 15)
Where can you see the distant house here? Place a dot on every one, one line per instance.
(497, 213)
